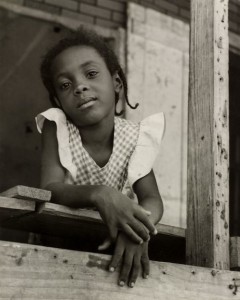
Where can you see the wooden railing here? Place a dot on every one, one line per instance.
(30, 210)
(36, 272)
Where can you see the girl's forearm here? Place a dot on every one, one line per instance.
(76, 196)
(155, 206)
(149, 197)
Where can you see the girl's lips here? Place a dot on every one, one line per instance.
(86, 102)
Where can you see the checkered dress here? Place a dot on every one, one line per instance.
(114, 173)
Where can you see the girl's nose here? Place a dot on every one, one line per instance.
(80, 88)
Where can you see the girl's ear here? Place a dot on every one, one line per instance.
(117, 81)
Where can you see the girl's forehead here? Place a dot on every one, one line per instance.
(76, 56)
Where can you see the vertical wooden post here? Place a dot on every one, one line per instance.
(208, 136)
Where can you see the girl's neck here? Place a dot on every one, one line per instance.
(98, 141)
(98, 134)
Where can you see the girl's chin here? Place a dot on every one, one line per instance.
(89, 120)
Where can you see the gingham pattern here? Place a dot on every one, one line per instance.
(114, 173)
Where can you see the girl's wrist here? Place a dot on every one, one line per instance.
(99, 195)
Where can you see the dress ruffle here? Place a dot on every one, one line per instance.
(65, 156)
(150, 136)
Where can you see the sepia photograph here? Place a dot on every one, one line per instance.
(119, 149)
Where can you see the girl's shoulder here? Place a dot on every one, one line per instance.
(151, 129)
(62, 133)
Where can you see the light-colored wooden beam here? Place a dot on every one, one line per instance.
(208, 136)
(34, 272)
(14, 208)
(27, 193)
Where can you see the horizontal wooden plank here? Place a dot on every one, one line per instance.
(84, 216)
(11, 208)
(17, 204)
(68, 212)
(34, 272)
(83, 229)
(27, 193)
(93, 216)
(171, 230)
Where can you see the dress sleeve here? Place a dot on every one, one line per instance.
(57, 115)
(150, 136)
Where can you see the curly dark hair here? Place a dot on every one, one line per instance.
(83, 37)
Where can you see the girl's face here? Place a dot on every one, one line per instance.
(84, 86)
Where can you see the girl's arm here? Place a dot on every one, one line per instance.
(136, 256)
(53, 174)
(116, 210)
(149, 197)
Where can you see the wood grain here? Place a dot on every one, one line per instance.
(27, 193)
(34, 272)
(208, 136)
(14, 208)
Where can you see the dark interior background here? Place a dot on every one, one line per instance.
(234, 124)
(23, 42)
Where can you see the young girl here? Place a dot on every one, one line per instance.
(90, 156)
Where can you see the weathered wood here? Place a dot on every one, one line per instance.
(27, 193)
(208, 136)
(34, 272)
(14, 208)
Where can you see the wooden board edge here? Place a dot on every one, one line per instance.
(27, 193)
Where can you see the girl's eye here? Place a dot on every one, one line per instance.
(65, 85)
(92, 74)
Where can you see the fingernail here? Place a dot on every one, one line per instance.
(141, 242)
(146, 276)
(132, 284)
(155, 231)
(121, 283)
(111, 269)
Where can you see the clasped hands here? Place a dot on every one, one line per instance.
(129, 227)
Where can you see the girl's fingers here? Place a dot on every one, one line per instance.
(139, 229)
(126, 268)
(131, 234)
(145, 220)
(135, 271)
(145, 265)
(147, 212)
(113, 232)
(106, 244)
(117, 256)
